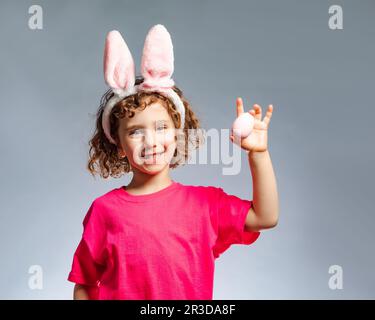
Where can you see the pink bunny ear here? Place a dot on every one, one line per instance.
(157, 59)
(119, 69)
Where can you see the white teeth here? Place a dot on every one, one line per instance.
(151, 156)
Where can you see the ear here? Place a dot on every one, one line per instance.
(119, 69)
(157, 59)
(121, 153)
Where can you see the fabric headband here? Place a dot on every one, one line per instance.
(156, 68)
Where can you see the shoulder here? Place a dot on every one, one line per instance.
(107, 197)
(102, 204)
(210, 192)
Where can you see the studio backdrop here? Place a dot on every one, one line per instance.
(313, 60)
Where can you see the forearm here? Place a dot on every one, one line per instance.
(265, 196)
(80, 292)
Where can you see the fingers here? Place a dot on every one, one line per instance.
(268, 115)
(252, 112)
(239, 104)
(257, 114)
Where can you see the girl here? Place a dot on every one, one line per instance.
(156, 238)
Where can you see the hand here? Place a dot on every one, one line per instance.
(257, 140)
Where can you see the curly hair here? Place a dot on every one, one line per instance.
(103, 155)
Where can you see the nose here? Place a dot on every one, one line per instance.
(149, 140)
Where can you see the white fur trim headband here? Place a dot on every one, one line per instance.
(156, 68)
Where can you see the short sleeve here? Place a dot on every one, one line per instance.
(89, 257)
(230, 222)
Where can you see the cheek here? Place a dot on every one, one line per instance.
(132, 147)
(169, 141)
(169, 138)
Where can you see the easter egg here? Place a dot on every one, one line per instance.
(243, 125)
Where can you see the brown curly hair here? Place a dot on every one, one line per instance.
(103, 155)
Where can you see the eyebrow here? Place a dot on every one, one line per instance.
(136, 126)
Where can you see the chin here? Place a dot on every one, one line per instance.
(152, 168)
(155, 167)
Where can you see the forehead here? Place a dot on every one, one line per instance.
(153, 112)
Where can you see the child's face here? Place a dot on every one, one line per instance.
(149, 131)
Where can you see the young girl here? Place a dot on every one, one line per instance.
(156, 238)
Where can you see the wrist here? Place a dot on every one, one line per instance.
(257, 154)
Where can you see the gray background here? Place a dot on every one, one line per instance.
(320, 81)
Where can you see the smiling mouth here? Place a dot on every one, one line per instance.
(152, 155)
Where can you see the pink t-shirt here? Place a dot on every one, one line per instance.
(161, 245)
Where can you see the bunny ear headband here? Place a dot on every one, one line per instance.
(156, 68)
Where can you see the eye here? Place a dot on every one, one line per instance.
(162, 127)
(135, 132)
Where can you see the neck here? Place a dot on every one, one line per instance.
(144, 182)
